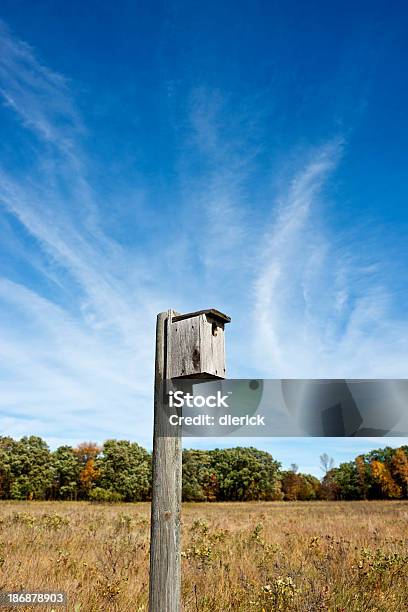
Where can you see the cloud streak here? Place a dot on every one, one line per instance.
(77, 306)
(76, 348)
(320, 310)
(38, 95)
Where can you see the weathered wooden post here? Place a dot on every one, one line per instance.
(187, 346)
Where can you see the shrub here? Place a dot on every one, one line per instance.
(98, 494)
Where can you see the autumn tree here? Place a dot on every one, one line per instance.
(121, 470)
(382, 475)
(297, 486)
(88, 476)
(341, 483)
(309, 488)
(291, 484)
(399, 469)
(362, 473)
(87, 450)
(87, 453)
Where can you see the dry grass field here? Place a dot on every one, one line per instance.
(304, 556)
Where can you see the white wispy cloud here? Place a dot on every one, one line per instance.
(320, 310)
(37, 94)
(76, 344)
(217, 194)
(76, 348)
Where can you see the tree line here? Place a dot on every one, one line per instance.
(120, 470)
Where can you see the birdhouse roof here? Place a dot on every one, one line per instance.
(212, 312)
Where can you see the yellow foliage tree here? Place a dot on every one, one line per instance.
(86, 451)
(382, 476)
(399, 468)
(89, 475)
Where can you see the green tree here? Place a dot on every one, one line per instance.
(310, 487)
(7, 452)
(291, 483)
(245, 474)
(301, 487)
(66, 468)
(380, 454)
(198, 476)
(31, 465)
(125, 467)
(341, 483)
(346, 477)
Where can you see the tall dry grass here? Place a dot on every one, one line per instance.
(306, 556)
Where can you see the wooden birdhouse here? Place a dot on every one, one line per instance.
(196, 347)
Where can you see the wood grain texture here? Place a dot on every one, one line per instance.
(212, 347)
(197, 347)
(185, 347)
(165, 553)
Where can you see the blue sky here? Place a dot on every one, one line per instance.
(248, 156)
